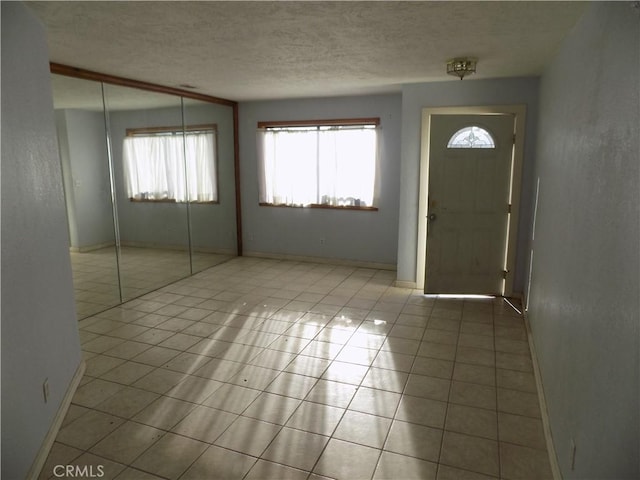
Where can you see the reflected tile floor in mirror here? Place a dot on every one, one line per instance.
(95, 276)
(259, 369)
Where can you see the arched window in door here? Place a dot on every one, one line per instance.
(471, 137)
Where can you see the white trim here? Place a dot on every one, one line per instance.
(47, 443)
(332, 261)
(544, 413)
(404, 284)
(518, 111)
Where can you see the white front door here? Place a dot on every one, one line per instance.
(468, 203)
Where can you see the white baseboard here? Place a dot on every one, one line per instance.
(91, 248)
(47, 443)
(332, 261)
(405, 284)
(544, 413)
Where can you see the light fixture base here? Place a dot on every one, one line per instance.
(462, 66)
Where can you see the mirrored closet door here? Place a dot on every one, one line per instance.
(149, 182)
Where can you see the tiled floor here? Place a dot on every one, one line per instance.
(259, 369)
(95, 273)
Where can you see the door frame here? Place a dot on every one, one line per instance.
(519, 112)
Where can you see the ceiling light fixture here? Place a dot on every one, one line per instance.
(462, 66)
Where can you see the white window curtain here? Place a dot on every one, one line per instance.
(154, 167)
(335, 166)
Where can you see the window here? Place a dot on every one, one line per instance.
(471, 137)
(329, 163)
(154, 167)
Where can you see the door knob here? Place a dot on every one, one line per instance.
(432, 217)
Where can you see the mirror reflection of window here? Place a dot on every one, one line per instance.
(154, 170)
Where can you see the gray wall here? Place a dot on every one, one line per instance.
(39, 328)
(363, 236)
(83, 151)
(165, 224)
(584, 298)
(449, 94)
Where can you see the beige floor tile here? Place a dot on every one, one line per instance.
(344, 460)
(518, 403)
(88, 430)
(73, 413)
(180, 341)
(272, 408)
(521, 430)
(422, 411)
(444, 337)
(332, 393)
(218, 369)
(446, 472)
(127, 402)
(414, 440)
(383, 379)
(393, 466)
(153, 336)
(362, 428)
(252, 376)
(291, 385)
(127, 442)
(127, 373)
(470, 453)
(480, 374)
(135, 474)
(186, 362)
(356, 355)
(309, 366)
(322, 349)
(127, 350)
(362, 339)
(440, 351)
(393, 361)
(507, 345)
(472, 421)
(514, 361)
(433, 367)
(156, 356)
(273, 359)
(428, 387)
(231, 398)
(97, 467)
(170, 456)
(159, 381)
(101, 364)
(219, 464)
(407, 346)
(248, 436)
(204, 424)
(473, 395)
(375, 402)
(194, 389)
(164, 412)
(475, 356)
(95, 392)
(296, 448)
(316, 418)
(58, 455)
(519, 462)
(345, 373)
(514, 380)
(265, 470)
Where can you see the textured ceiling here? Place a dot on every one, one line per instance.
(272, 50)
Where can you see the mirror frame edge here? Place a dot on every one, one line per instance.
(69, 71)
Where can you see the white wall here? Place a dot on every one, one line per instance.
(363, 236)
(39, 328)
(468, 92)
(585, 292)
